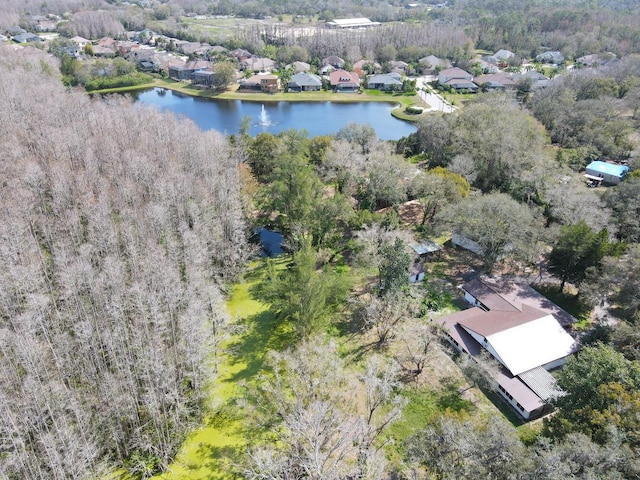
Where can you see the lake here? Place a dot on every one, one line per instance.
(317, 118)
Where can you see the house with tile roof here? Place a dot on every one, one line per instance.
(334, 61)
(495, 81)
(299, 67)
(458, 79)
(258, 64)
(431, 64)
(261, 83)
(523, 331)
(185, 71)
(343, 81)
(364, 65)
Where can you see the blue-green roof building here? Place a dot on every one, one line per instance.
(606, 172)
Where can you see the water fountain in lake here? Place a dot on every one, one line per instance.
(264, 118)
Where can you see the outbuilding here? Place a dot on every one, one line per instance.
(610, 173)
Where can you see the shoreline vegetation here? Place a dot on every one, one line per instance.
(403, 101)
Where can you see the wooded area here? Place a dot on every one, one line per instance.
(124, 241)
(119, 227)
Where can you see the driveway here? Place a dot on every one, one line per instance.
(435, 101)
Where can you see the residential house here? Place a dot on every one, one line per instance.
(304, 81)
(553, 56)
(126, 46)
(453, 73)
(326, 70)
(299, 67)
(108, 42)
(487, 67)
(99, 51)
(597, 60)
(366, 66)
(162, 61)
(257, 64)
(186, 71)
(195, 48)
(609, 173)
(261, 83)
(523, 331)
(240, 54)
(457, 79)
(504, 55)
(537, 79)
(399, 67)
(334, 61)
(74, 51)
(431, 65)
(495, 81)
(46, 25)
(140, 55)
(343, 81)
(14, 30)
(501, 57)
(217, 49)
(80, 41)
(145, 36)
(26, 37)
(385, 81)
(203, 78)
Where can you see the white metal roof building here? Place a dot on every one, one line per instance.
(352, 23)
(523, 331)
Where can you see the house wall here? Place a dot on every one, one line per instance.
(473, 301)
(453, 343)
(612, 179)
(485, 344)
(523, 412)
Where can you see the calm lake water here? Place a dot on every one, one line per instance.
(317, 118)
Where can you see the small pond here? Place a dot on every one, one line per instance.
(270, 242)
(317, 118)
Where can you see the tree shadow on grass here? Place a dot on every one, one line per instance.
(451, 400)
(220, 461)
(264, 332)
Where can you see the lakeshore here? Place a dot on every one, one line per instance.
(403, 101)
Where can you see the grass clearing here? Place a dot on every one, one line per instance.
(210, 452)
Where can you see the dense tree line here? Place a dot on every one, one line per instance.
(119, 226)
(591, 112)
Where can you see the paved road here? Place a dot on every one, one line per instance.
(435, 101)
